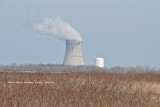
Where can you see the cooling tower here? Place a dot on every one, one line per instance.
(73, 54)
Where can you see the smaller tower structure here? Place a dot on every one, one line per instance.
(99, 62)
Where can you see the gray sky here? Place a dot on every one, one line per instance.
(123, 32)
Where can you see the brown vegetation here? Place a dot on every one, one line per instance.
(79, 89)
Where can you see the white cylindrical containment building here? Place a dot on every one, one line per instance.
(100, 62)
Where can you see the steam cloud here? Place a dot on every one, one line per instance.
(58, 28)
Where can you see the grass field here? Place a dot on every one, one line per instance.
(79, 89)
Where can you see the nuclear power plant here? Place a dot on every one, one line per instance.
(64, 31)
(73, 54)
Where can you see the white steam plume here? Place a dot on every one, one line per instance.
(58, 28)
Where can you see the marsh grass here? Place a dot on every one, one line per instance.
(78, 89)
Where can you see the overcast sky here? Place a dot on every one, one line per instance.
(123, 32)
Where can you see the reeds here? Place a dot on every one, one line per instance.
(78, 89)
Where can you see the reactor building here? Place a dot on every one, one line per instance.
(73, 55)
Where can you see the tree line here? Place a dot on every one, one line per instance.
(62, 68)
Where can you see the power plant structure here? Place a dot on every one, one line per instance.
(64, 31)
(73, 55)
(99, 62)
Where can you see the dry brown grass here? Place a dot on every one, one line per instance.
(79, 89)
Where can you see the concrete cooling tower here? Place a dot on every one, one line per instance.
(73, 54)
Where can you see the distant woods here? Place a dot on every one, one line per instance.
(61, 68)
